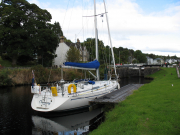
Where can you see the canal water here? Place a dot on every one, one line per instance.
(17, 117)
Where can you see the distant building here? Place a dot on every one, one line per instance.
(62, 49)
(170, 61)
(158, 61)
(149, 60)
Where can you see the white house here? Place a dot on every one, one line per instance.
(170, 61)
(158, 61)
(62, 49)
(149, 60)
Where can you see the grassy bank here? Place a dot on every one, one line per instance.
(153, 109)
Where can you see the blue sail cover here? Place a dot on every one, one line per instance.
(93, 64)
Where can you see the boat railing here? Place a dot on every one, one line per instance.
(37, 89)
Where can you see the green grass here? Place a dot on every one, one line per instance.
(152, 109)
(5, 63)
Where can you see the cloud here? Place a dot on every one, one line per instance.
(35, 2)
(40, 4)
(130, 27)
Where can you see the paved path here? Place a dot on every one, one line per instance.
(118, 95)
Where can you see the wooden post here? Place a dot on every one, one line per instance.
(177, 70)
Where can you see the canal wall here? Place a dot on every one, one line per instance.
(127, 72)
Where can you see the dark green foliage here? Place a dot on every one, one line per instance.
(105, 52)
(141, 58)
(41, 74)
(152, 56)
(73, 54)
(90, 45)
(4, 56)
(72, 75)
(4, 78)
(126, 55)
(24, 59)
(25, 30)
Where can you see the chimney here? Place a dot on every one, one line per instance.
(78, 41)
(62, 39)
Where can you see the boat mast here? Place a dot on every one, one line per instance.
(110, 39)
(96, 40)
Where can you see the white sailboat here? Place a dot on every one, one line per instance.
(77, 94)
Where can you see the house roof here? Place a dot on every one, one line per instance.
(148, 57)
(158, 59)
(77, 44)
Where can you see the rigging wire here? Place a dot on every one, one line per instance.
(85, 28)
(70, 17)
(65, 13)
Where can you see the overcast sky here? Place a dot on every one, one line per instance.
(152, 26)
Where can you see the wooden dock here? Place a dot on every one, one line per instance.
(116, 96)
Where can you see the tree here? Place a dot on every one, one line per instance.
(25, 30)
(134, 61)
(174, 57)
(124, 55)
(90, 45)
(152, 56)
(141, 58)
(73, 54)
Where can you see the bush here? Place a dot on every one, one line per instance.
(72, 74)
(41, 74)
(4, 78)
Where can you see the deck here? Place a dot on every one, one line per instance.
(116, 96)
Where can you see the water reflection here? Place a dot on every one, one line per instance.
(75, 124)
(15, 110)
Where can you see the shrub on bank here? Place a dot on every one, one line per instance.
(17, 76)
(5, 79)
(41, 73)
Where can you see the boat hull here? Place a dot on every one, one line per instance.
(66, 103)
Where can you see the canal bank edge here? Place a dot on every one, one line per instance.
(152, 109)
(23, 76)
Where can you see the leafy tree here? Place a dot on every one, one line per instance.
(141, 58)
(67, 40)
(124, 56)
(25, 31)
(134, 61)
(152, 56)
(5, 80)
(73, 54)
(174, 57)
(90, 45)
